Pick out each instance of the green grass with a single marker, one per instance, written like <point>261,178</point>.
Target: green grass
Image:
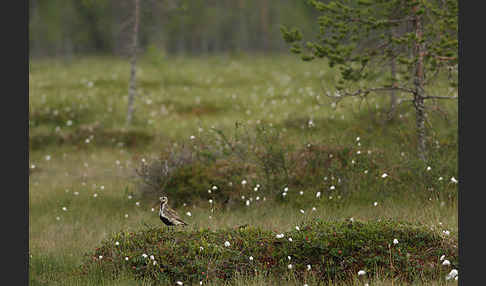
<point>187,97</point>
<point>334,251</point>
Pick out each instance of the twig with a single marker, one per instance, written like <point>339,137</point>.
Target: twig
<point>440,97</point>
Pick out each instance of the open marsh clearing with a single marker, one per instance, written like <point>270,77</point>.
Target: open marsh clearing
<point>83,186</point>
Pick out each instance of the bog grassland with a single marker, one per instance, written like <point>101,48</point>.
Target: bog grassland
<point>249,151</point>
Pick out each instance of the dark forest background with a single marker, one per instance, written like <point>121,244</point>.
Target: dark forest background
<point>196,27</point>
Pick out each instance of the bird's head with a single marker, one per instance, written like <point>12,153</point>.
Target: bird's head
<point>163,199</point>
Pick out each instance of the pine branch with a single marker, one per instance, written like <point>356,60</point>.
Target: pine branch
<point>440,97</point>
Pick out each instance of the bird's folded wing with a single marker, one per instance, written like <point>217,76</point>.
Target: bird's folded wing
<point>172,213</point>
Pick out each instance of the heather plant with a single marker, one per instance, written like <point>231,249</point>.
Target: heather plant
<point>259,162</point>
<point>315,249</point>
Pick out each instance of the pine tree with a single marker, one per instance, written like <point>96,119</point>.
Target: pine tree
<point>359,36</point>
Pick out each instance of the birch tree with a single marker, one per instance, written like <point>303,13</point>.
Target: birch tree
<point>359,36</point>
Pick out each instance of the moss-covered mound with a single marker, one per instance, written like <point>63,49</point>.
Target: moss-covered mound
<point>317,249</point>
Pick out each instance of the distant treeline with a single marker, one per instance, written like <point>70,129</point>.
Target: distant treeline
<point>73,27</point>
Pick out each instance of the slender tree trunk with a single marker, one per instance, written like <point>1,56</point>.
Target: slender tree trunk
<point>264,23</point>
<point>242,35</point>
<point>133,64</point>
<point>419,94</point>
<point>393,93</point>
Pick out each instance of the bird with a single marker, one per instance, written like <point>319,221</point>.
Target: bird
<point>167,215</point>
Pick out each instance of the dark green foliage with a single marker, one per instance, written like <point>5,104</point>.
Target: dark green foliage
<point>361,36</point>
<point>71,27</point>
<point>335,250</point>
<point>86,136</point>
<point>186,172</point>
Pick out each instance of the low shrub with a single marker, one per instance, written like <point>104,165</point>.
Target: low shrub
<point>321,250</point>
<point>263,161</point>
<point>84,136</point>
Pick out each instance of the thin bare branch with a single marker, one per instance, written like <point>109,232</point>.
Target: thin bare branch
<point>440,97</point>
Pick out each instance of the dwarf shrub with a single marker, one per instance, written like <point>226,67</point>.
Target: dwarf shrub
<point>334,251</point>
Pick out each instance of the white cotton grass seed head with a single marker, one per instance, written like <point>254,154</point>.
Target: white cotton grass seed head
<point>144,255</point>
<point>227,243</point>
<point>395,241</point>
<point>301,211</point>
<point>289,266</point>
<point>179,283</point>
<point>117,243</point>
<point>126,258</point>
<point>361,272</point>
<point>309,267</point>
<point>375,204</point>
<point>446,262</point>
<point>64,208</point>
<point>442,257</point>
<point>251,258</point>
<point>384,175</point>
<point>452,274</point>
